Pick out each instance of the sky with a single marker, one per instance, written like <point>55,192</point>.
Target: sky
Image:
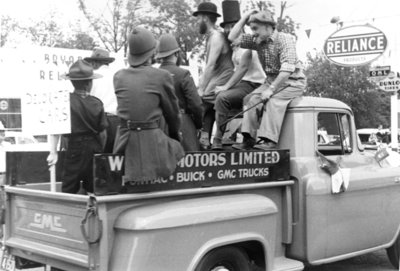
<point>312,15</point>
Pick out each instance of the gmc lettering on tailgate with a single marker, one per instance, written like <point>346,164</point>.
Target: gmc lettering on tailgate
<point>47,221</point>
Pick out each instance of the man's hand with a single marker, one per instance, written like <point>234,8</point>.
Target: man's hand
<point>219,89</point>
<point>249,13</point>
<point>266,94</point>
<point>52,159</point>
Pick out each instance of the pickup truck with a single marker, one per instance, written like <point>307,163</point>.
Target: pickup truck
<point>229,210</point>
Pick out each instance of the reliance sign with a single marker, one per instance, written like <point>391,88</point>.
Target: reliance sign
<point>355,45</point>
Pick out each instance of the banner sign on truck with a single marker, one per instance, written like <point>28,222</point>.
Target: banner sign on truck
<point>355,45</point>
<point>196,169</point>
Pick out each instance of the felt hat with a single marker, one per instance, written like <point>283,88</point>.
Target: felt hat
<point>167,46</point>
<point>230,12</point>
<point>141,46</point>
<point>100,54</point>
<point>264,16</point>
<point>81,70</point>
<point>206,8</point>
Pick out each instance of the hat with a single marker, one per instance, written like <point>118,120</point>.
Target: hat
<point>206,8</point>
<point>264,16</point>
<point>230,12</point>
<point>168,45</point>
<point>81,70</point>
<point>100,54</point>
<point>141,46</point>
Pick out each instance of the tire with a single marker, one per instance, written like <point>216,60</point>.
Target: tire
<point>393,253</point>
<point>225,258</point>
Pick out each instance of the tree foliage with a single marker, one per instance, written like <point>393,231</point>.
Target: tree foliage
<point>115,23</point>
<point>350,85</point>
<point>8,26</point>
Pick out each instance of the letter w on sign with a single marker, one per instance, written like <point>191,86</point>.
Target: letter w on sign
<point>116,162</point>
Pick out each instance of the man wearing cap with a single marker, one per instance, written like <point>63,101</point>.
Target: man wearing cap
<point>285,79</point>
<point>189,100</point>
<point>104,90</point>
<point>219,66</point>
<point>248,76</point>
<point>146,102</point>
<point>88,123</point>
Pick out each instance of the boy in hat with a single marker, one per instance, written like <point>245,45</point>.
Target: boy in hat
<point>219,66</point>
<point>104,90</point>
<point>285,79</point>
<point>189,100</point>
<point>146,101</point>
<point>248,76</point>
<point>88,123</point>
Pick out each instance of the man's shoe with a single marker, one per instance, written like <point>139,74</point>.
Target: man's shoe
<point>247,144</point>
<point>228,141</point>
<point>217,144</point>
<point>265,146</point>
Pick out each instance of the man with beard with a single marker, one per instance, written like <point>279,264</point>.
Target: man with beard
<point>248,76</point>
<point>219,66</point>
<point>285,79</point>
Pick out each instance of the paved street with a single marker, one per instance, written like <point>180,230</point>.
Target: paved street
<point>376,261</point>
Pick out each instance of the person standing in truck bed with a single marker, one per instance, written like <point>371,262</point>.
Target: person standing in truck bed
<point>146,102</point>
<point>88,134</point>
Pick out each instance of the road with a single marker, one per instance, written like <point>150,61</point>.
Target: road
<point>376,261</point>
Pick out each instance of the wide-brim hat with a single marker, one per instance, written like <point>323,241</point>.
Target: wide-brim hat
<point>100,54</point>
<point>230,12</point>
<point>206,8</point>
<point>81,70</point>
<point>141,46</point>
<point>264,16</point>
<point>167,46</point>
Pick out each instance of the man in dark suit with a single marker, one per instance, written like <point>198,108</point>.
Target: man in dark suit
<point>146,102</point>
<point>189,100</point>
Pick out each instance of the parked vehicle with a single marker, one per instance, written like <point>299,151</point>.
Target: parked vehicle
<point>229,210</point>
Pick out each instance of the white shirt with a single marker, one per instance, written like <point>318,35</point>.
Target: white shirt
<point>103,88</point>
<point>255,73</point>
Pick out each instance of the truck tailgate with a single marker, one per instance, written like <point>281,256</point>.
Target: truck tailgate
<point>43,225</point>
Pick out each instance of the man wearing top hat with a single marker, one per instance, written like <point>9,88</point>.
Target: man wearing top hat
<point>146,102</point>
<point>88,123</point>
<point>190,104</point>
<point>219,66</point>
<point>248,76</point>
<point>104,90</point>
<point>285,79</point>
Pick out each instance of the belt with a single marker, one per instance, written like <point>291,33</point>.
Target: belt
<point>140,125</point>
<point>81,137</point>
<point>296,78</point>
<point>110,114</point>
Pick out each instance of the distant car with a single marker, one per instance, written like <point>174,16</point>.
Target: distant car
<point>20,141</point>
<point>369,137</point>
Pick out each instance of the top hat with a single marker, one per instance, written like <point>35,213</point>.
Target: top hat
<point>81,70</point>
<point>167,46</point>
<point>206,8</point>
<point>264,16</point>
<point>100,54</point>
<point>230,12</point>
<point>141,46</point>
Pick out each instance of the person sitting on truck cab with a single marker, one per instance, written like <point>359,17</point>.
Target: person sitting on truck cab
<point>285,79</point>
<point>88,134</point>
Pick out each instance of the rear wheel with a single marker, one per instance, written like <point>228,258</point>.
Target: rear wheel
<point>393,253</point>
<point>225,259</point>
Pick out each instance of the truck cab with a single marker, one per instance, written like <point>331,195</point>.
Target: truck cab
<point>254,210</point>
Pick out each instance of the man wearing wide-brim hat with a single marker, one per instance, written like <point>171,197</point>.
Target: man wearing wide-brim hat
<point>104,90</point>
<point>189,100</point>
<point>285,79</point>
<point>87,137</point>
<point>219,66</point>
<point>146,102</point>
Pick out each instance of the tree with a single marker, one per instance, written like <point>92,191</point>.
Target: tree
<point>7,26</point>
<point>176,17</point>
<point>45,33</point>
<point>80,40</point>
<point>350,85</point>
<point>115,23</point>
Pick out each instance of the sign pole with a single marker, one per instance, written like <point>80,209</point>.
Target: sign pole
<point>53,178</point>
<point>393,119</point>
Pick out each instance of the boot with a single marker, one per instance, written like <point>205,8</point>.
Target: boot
<point>217,144</point>
<point>247,144</point>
